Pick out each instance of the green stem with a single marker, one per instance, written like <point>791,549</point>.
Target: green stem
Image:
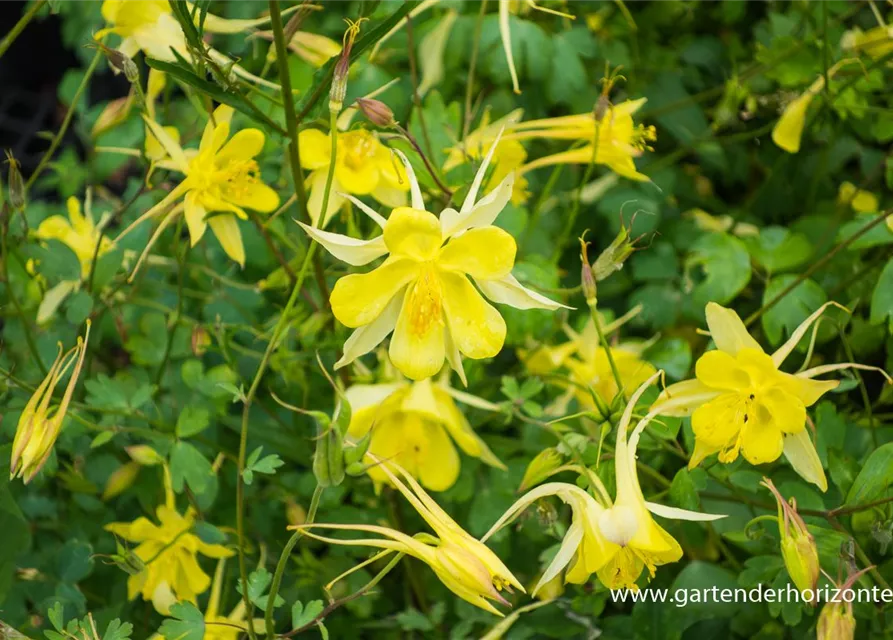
<point>181,259</point>
<point>604,342</point>
<point>283,559</point>
<point>291,120</point>
<point>10,37</point>
<point>57,139</point>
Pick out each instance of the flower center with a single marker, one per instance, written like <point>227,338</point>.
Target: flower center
<point>425,303</point>
<point>233,176</point>
<point>356,149</point>
<point>618,524</point>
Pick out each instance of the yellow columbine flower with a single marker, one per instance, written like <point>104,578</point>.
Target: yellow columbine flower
<point>741,402</point>
<point>363,166</point>
<point>798,548</point>
<point>149,26</point>
<point>222,177</point>
<point>465,565</point>
<point>616,139</point>
<point>422,291</point>
<point>876,42</point>
<point>78,233</point>
<point>169,551</point>
<point>39,425</point>
<point>508,157</point>
<point>415,426</point>
<point>616,539</point>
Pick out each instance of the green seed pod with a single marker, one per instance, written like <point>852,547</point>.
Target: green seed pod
<point>328,459</point>
<point>355,454</point>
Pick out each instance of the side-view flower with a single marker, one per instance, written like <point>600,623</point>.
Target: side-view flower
<point>615,539</point>
<point>464,564</point>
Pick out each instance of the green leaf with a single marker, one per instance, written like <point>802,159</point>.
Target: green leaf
<point>16,532</point>
<point>725,264</point>
<point>780,321</point>
<point>779,249</point>
<point>882,299</point>
<point>117,630</point>
<point>874,478</point>
<point>188,623</point>
<point>190,466</point>
<point>192,420</point>
<point>302,614</point>
<point>258,581</point>
<point>683,492</point>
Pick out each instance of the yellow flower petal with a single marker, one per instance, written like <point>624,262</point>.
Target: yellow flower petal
<point>789,129</point>
<point>801,453</point>
<point>195,218</point>
<point>727,330</point>
<point>719,421</point>
<point>788,411</point>
<point>316,185</point>
<point>475,325</point>
<point>361,179</point>
<point>244,145</point>
<point>418,346</point>
<point>358,299</point>
<point>315,148</point>
<point>487,253</point>
<point>761,442</point>
<point>226,228</point>
<point>252,194</point>
<point>413,233</point>
<point>718,370</point>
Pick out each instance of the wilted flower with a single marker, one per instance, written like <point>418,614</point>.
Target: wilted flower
<point>798,548</point>
<point>39,425</point>
<point>221,177</point>
<point>78,232</point>
<point>338,89</point>
<point>422,291</point>
<point>15,184</point>
<point>169,551</point>
<point>616,539</point>
<point>415,425</point>
<point>465,565</point>
<point>363,166</point>
<point>741,402</point>
<point>613,140</point>
<point>376,111</point>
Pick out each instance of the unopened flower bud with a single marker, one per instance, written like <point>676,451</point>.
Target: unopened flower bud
<point>144,455</point>
<point>798,547</point>
<point>541,467</point>
<point>339,79</point>
<point>121,62</point>
<point>294,513</point>
<point>376,111</point>
<point>15,183</point>
<point>120,480</point>
<point>200,340</point>
<point>836,622</point>
<point>587,278</point>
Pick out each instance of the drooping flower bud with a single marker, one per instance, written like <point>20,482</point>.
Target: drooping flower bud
<point>342,67</point>
<point>15,183</point>
<point>798,547</point>
<point>39,424</point>
<point>587,278</point>
<point>120,480</point>
<point>836,622</point>
<point>541,467</point>
<point>120,62</point>
<point>294,513</point>
<point>144,455</point>
<point>200,340</point>
<point>376,111</point>
<point>127,560</point>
